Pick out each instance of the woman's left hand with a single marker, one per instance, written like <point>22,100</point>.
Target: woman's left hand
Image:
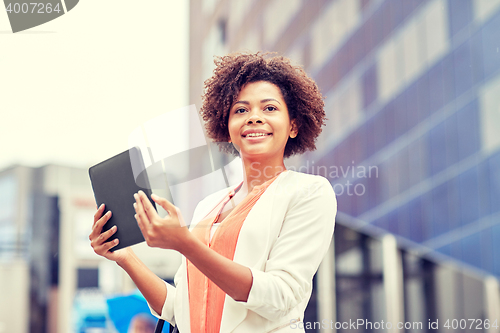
<point>169,232</point>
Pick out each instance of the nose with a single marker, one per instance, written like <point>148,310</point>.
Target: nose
<point>255,118</point>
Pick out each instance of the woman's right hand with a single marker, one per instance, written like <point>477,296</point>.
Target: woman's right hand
<point>98,239</point>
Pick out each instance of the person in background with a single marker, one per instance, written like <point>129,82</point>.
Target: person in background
<point>141,323</point>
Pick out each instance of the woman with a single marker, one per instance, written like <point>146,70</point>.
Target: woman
<point>251,251</point>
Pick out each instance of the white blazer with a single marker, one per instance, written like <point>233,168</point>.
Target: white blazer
<point>283,240</point>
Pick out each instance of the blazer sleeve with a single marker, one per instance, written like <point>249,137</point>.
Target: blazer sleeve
<point>306,233</point>
<point>201,210</point>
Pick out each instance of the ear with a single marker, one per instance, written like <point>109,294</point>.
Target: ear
<point>293,129</point>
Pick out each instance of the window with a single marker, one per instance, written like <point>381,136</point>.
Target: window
<point>491,54</point>
<point>437,149</point>
<point>369,86</point>
<point>468,131</point>
<point>436,87</point>
<point>440,210</point>
<point>415,221</point>
<point>469,196</point>
<point>483,9</point>
<point>451,132</point>
<point>494,179</point>
<point>332,27</point>
<point>435,20</point>
<point>277,16</point>
<point>460,15</point>
<point>463,68</point>
<point>489,101</point>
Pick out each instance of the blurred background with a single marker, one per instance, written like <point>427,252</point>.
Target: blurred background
<point>411,146</point>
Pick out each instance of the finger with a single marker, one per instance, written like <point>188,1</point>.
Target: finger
<point>167,205</point>
<point>140,211</point>
<point>102,249</point>
<point>103,237</point>
<point>97,228</point>
<point>140,224</point>
<point>147,206</point>
<point>98,214</point>
<point>109,245</point>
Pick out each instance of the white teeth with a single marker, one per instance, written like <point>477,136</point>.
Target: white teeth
<point>256,134</point>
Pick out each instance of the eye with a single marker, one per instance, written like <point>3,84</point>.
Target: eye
<point>240,110</point>
<point>270,108</point>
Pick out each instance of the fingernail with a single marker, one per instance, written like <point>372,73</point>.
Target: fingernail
<point>101,206</point>
<point>154,196</point>
<point>135,205</point>
<point>114,227</point>
<point>116,241</point>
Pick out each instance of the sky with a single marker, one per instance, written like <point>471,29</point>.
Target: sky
<point>73,89</point>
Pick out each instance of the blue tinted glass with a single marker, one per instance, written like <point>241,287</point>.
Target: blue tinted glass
<point>469,196</point>
<point>486,250</point>
<point>453,202</point>
<point>392,222</point>
<point>440,209</point>
<point>411,106</point>
<point>427,212</point>
<point>415,221</point>
<point>358,146</point>
<point>448,72</point>
<point>368,33</point>
<point>436,88</point>
<point>400,115</point>
<point>397,13</point>
<point>358,47</point>
<point>403,221</point>
<point>460,14</point>
<point>463,68</point>
<point>404,170</point>
<point>343,200</point>
<point>494,174</point>
<point>423,97</point>
<point>370,86</point>
<point>483,182</point>
<point>451,128</point>
<point>370,137</point>
<point>495,244</point>
<point>380,130</point>
<point>490,41</point>
<point>477,57</point>
<point>381,222</point>
<point>471,250</point>
<point>468,130</point>
<point>456,250</point>
<point>390,125</point>
<point>372,189</point>
<point>437,149</point>
<point>360,196</point>
<point>445,250</point>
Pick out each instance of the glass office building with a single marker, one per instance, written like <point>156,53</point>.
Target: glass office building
<point>411,146</point>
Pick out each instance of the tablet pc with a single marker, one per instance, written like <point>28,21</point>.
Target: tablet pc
<point>114,184</point>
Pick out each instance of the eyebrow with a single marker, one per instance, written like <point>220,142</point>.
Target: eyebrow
<point>262,101</point>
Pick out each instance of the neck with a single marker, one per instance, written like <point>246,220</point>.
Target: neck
<point>256,173</point>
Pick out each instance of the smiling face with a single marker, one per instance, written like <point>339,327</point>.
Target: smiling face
<point>259,124</point>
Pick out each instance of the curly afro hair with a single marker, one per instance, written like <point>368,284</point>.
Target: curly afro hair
<point>300,93</point>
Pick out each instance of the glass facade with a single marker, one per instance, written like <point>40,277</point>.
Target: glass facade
<point>429,76</point>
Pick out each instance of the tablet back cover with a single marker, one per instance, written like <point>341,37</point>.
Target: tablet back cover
<point>114,185</point>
